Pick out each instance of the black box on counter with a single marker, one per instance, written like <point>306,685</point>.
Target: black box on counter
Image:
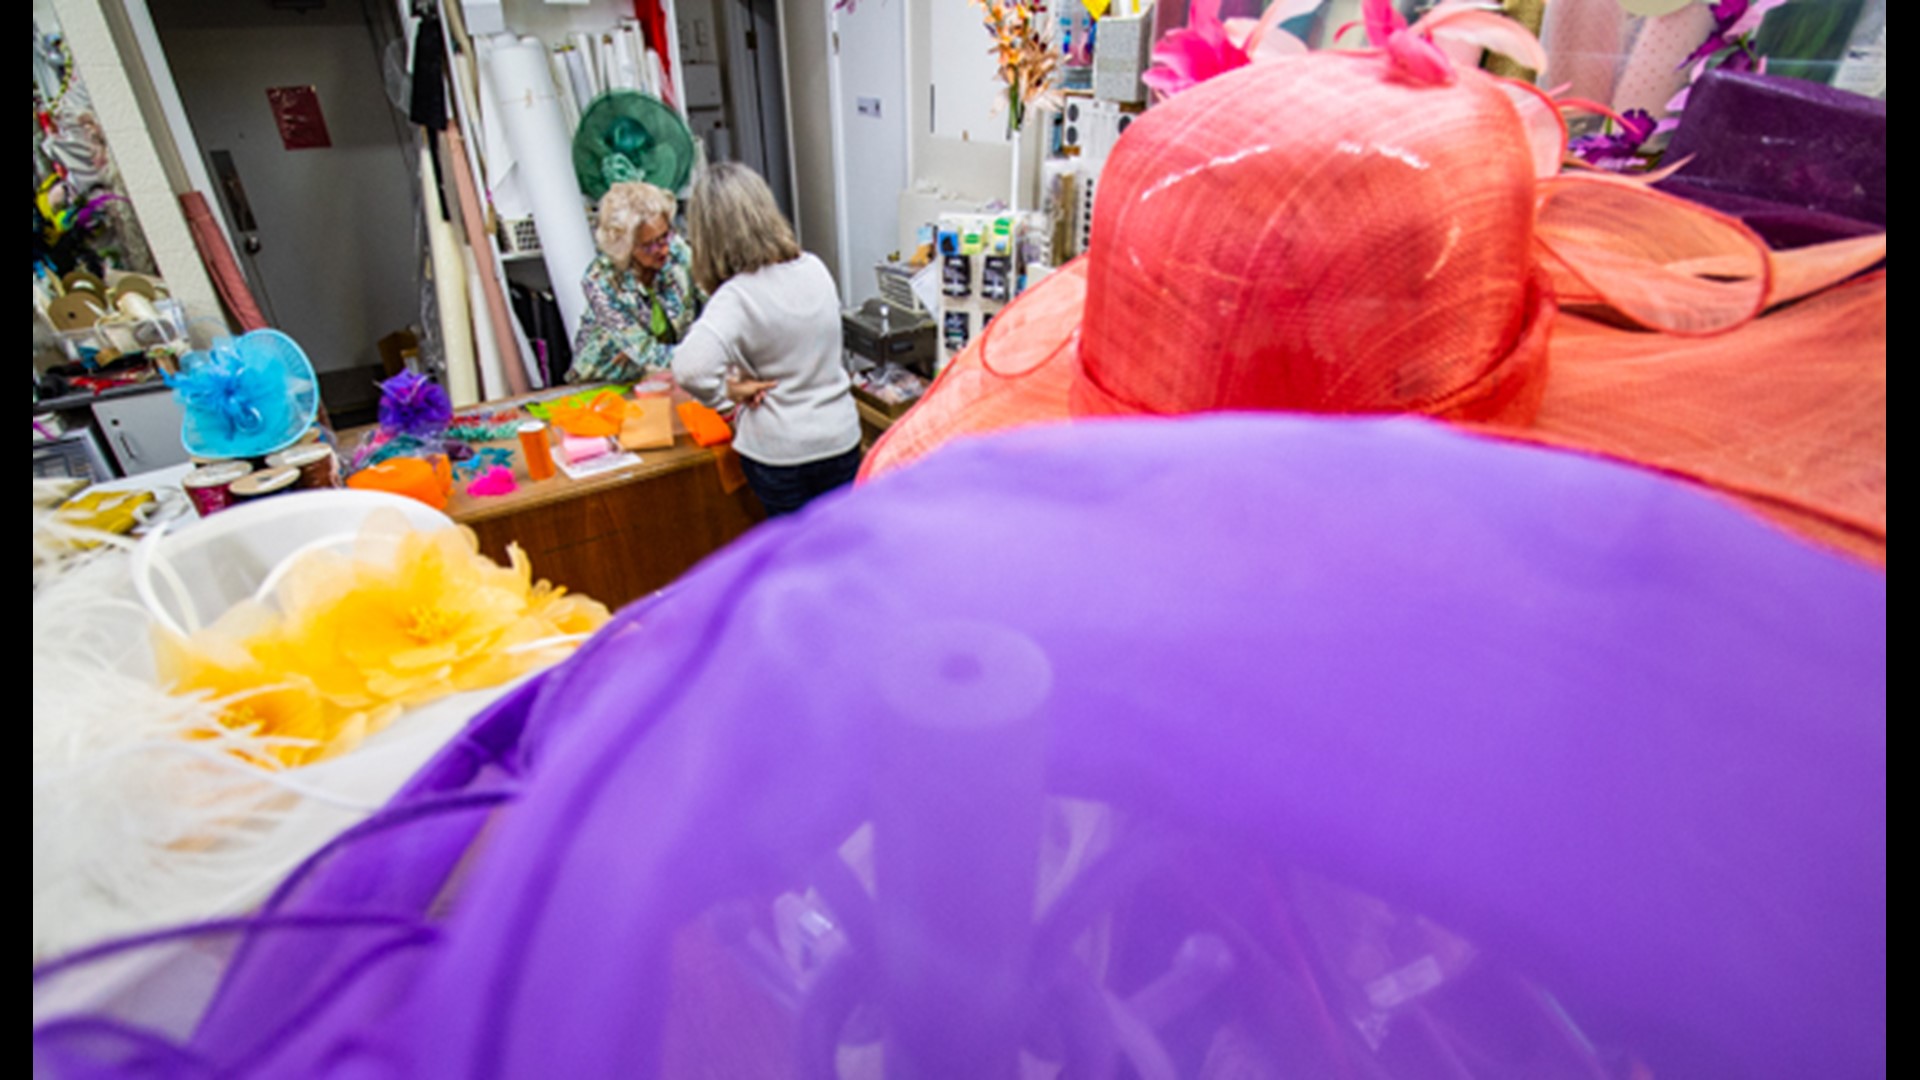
<point>882,332</point>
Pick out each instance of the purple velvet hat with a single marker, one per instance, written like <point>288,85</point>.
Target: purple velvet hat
<point>1799,162</point>
<point>1323,747</point>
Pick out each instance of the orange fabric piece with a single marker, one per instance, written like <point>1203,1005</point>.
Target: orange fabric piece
<point>732,476</point>
<point>416,478</point>
<point>597,419</point>
<point>708,428</point>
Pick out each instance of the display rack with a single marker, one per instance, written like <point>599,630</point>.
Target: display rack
<point>126,335</point>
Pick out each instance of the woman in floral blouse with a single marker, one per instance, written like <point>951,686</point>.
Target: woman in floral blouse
<point>640,292</point>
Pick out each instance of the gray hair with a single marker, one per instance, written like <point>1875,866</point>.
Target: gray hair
<point>735,226</point>
<point>623,209</point>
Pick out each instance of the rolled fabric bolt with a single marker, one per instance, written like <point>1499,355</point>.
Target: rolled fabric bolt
<point>579,449</point>
<point>450,293</point>
<point>520,87</point>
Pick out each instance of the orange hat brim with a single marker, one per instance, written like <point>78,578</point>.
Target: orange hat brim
<point>1786,412</point>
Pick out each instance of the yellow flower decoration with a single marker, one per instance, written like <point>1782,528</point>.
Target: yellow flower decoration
<point>406,617</point>
<point>282,710</point>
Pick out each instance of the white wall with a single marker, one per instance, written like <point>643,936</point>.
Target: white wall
<point>700,44</point>
<point>696,21</point>
<point>335,262</point>
<point>958,124</point>
<point>552,23</point>
<point>958,144</point>
<point>805,44</point>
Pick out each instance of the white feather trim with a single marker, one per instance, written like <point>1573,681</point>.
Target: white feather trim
<point>144,816</point>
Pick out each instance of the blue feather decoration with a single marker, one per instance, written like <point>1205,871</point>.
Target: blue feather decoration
<point>246,396</point>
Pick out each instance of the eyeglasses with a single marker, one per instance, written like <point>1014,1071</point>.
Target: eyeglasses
<point>658,243</point>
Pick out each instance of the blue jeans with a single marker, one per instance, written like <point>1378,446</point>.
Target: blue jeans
<point>784,489</point>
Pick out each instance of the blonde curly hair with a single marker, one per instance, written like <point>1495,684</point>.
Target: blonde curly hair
<point>623,209</point>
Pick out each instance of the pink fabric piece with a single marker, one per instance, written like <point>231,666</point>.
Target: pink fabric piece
<point>581,448</point>
<point>1418,59</point>
<point>495,480</point>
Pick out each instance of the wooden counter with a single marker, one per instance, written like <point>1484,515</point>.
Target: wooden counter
<point>615,537</point>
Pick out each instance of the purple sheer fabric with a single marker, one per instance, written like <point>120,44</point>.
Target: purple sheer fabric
<point>1623,736</point>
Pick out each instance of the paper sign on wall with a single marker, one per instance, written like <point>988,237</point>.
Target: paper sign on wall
<point>296,110</point>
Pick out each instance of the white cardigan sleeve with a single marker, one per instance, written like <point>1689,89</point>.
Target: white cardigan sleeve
<point>700,364</point>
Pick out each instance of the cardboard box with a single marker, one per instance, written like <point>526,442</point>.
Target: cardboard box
<point>394,349</point>
<point>891,409</point>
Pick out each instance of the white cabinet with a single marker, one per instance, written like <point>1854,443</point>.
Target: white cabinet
<point>142,431</point>
<point>965,98</point>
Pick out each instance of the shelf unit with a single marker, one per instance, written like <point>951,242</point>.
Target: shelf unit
<point>551,24</point>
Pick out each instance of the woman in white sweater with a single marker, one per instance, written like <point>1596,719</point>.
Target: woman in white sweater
<point>768,342</point>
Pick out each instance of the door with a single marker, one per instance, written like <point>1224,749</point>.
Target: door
<point>326,233</point>
<point>869,67</point>
<point>752,29</point>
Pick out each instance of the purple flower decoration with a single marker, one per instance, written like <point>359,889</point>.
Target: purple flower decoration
<point>1619,150</point>
<point>1734,25</point>
<point>412,404</point>
<point>1714,43</point>
<point>1732,20</point>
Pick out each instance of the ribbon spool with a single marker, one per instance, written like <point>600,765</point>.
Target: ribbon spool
<point>82,281</point>
<point>137,285</point>
<point>77,310</point>
<point>136,308</point>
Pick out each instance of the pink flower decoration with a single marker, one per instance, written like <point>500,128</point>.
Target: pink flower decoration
<point>1737,17</point>
<point>1194,54</point>
<point>1414,57</point>
<point>1412,53</point>
<point>1209,47</point>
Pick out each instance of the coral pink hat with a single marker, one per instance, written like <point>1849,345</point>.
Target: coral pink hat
<point>1332,233</point>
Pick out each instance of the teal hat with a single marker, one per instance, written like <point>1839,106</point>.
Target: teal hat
<point>626,135</point>
<point>245,396</point>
